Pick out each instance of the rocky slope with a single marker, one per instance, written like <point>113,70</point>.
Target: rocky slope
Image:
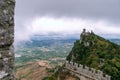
<point>34,71</point>
<point>97,52</point>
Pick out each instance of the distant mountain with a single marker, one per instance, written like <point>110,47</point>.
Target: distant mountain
<point>117,41</point>
<point>97,52</point>
<point>45,40</point>
<point>40,40</point>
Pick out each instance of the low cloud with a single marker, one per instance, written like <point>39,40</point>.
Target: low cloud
<point>65,17</point>
<point>47,25</point>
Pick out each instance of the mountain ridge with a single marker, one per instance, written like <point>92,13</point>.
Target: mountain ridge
<point>97,52</point>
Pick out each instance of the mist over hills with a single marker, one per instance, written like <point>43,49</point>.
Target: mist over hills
<point>38,40</point>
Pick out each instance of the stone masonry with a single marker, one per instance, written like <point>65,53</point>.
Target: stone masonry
<point>6,39</point>
<point>88,73</point>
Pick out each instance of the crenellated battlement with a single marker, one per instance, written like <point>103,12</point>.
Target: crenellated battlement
<point>86,71</point>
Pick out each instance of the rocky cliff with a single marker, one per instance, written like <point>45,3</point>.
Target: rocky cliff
<point>6,39</point>
<point>96,52</point>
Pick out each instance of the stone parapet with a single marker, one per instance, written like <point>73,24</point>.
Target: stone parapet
<point>86,71</point>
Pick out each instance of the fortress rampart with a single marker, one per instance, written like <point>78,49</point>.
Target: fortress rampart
<point>91,73</point>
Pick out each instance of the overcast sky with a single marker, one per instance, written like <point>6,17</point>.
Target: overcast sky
<point>66,16</point>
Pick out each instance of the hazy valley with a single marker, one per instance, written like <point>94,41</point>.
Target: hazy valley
<point>47,53</point>
<point>40,57</point>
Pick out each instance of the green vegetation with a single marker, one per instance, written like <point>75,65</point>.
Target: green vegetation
<point>100,54</point>
<point>53,77</point>
<point>51,50</point>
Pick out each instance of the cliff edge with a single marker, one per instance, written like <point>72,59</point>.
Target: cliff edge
<point>96,52</point>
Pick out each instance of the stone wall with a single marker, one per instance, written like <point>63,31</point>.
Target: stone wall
<point>6,39</point>
<point>86,71</point>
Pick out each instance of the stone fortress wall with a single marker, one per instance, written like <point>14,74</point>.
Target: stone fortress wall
<point>90,73</point>
<point>6,39</point>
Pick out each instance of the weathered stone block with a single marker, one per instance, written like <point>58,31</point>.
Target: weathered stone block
<point>6,39</point>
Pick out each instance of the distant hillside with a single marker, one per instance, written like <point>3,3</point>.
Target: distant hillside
<point>117,41</point>
<point>39,48</point>
<point>34,71</point>
<point>40,41</point>
<point>97,52</point>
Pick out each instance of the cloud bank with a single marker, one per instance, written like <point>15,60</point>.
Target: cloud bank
<point>66,16</point>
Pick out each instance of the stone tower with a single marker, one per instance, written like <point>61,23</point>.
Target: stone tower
<point>6,39</point>
<point>82,34</point>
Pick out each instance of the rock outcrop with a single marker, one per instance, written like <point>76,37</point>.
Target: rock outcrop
<point>6,39</point>
<point>98,53</point>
